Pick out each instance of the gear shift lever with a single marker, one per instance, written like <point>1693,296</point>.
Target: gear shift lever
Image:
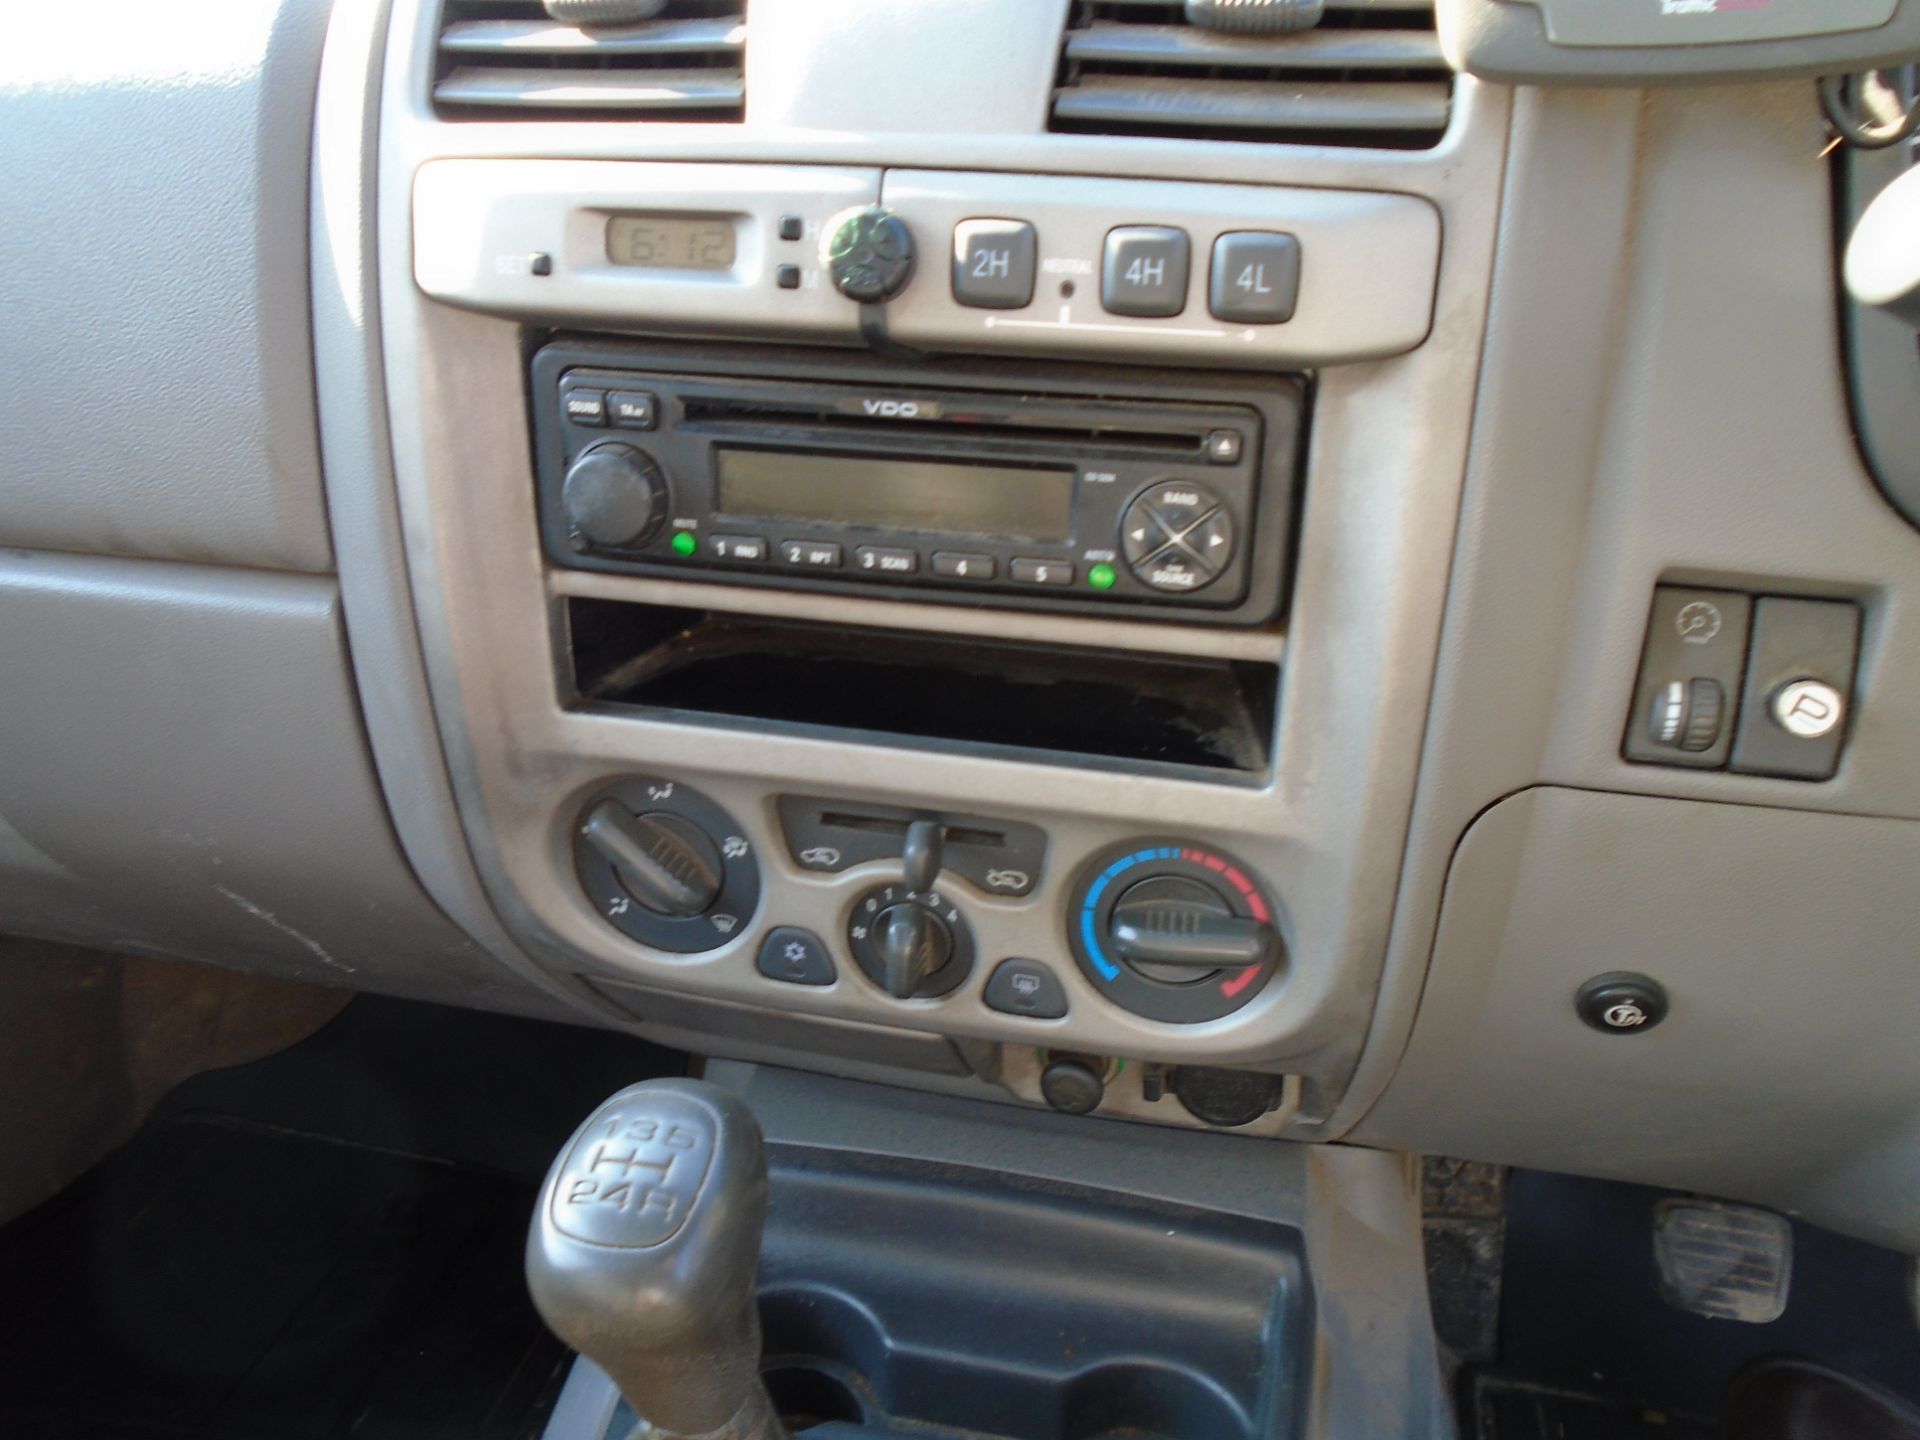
<point>642,1254</point>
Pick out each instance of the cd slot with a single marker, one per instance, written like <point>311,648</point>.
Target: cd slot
<point>827,424</point>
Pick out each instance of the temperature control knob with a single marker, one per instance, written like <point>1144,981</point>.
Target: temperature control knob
<point>868,253</point>
<point>1174,931</point>
<point>615,496</point>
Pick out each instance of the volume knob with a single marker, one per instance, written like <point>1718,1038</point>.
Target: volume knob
<point>614,496</point>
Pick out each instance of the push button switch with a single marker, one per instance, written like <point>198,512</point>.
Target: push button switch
<point>1026,987</point>
<point>1255,278</point>
<point>993,264</point>
<point>1144,271</point>
<point>796,957</point>
<point>1799,686</point>
<point>886,560</point>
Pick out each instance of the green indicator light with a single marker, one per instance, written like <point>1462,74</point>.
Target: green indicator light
<point>684,543</point>
<point>1101,577</point>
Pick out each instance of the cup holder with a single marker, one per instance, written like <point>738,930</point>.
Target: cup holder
<point>1147,1402</point>
<point>805,1396</point>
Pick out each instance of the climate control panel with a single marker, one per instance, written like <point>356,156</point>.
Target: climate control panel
<point>1171,930</point>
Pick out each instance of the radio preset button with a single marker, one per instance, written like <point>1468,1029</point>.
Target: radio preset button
<point>887,560</point>
<point>743,548</point>
<point>1144,271</point>
<point>586,407</point>
<point>811,554</point>
<point>1042,572</point>
<point>993,264</point>
<point>633,409</point>
<point>961,565</point>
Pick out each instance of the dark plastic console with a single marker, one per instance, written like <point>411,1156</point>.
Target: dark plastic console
<point>908,1298</point>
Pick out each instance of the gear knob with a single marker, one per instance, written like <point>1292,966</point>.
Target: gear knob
<point>642,1254</point>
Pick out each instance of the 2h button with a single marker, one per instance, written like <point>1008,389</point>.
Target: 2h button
<point>993,263</point>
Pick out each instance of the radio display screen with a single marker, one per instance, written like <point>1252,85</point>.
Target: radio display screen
<point>671,242</point>
<point>891,492</point>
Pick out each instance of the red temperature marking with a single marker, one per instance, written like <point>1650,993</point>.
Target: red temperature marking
<point>1239,982</point>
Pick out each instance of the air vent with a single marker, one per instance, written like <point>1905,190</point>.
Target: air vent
<point>500,57</point>
<point>1370,73</point>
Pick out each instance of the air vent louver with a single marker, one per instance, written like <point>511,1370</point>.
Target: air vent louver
<point>1370,73</point>
<point>501,57</point>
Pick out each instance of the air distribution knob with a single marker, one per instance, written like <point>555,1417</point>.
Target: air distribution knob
<point>868,253</point>
<point>615,496</point>
<point>665,862</point>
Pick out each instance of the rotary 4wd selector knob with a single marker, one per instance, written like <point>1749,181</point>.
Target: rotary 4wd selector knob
<point>1174,931</point>
<point>615,496</point>
<point>665,865</point>
<point>868,253</point>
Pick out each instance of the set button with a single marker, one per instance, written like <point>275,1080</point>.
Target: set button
<point>1177,537</point>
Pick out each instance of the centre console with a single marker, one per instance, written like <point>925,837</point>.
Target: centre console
<point>950,611</point>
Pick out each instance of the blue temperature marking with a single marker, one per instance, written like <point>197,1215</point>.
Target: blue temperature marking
<point>1091,941</point>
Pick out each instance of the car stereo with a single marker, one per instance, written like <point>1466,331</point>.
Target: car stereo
<point>1025,491</point>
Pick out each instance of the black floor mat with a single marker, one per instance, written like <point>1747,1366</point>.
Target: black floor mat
<point>324,1245</point>
<point>1588,1348</point>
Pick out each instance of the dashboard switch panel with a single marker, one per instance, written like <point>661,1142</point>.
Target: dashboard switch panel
<point>996,857</point>
<point>1799,688</point>
<point>1690,673</point>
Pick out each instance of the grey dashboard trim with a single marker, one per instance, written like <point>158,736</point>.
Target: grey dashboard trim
<point>365,515</point>
<point>1382,495</point>
<point>1507,41</point>
<point>1786,1072</point>
<point>188,778</point>
<point>153,276</point>
<point>1699,436</point>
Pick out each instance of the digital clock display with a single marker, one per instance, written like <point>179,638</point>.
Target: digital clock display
<point>671,242</point>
